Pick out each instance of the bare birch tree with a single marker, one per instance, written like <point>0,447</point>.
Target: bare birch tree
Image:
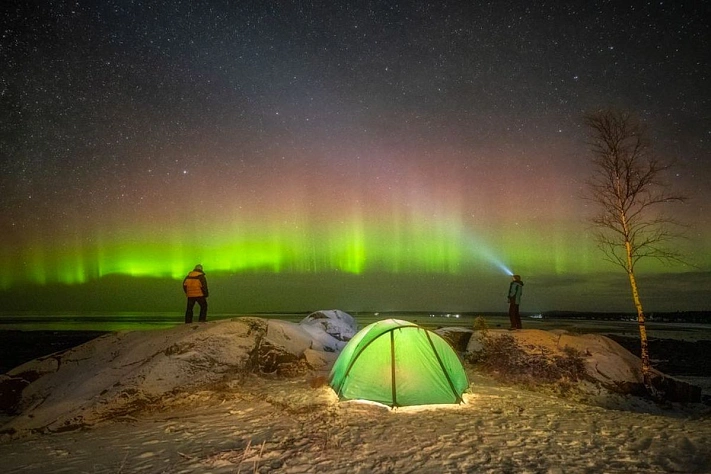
<point>628,188</point>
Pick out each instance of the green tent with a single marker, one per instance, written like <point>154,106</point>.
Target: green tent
<point>399,363</point>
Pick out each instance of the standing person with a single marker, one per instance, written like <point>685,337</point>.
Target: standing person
<point>514,296</point>
<point>195,288</point>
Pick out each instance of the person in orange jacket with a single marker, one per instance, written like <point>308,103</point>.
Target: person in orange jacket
<point>195,288</point>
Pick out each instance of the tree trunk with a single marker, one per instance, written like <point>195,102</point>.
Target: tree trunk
<point>646,365</point>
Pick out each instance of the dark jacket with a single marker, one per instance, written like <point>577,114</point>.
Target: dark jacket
<point>515,290</point>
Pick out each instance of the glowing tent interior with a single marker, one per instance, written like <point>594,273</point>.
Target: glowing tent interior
<point>399,363</point>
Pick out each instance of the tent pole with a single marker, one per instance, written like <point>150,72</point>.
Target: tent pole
<point>392,367</point>
<point>444,370</point>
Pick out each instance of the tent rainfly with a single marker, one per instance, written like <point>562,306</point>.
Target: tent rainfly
<point>398,363</point>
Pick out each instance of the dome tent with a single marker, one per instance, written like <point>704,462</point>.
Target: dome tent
<point>398,363</point>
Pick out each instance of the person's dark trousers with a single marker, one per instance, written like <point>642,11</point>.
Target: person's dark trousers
<point>202,301</point>
<point>514,316</point>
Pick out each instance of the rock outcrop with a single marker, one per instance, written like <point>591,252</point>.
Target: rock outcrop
<point>121,372</point>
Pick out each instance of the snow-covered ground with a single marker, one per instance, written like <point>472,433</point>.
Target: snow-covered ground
<point>288,426</point>
<point>254,423</point>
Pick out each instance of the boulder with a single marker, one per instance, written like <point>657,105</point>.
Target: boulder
<point>673,390</point>
<point>606,361</point>
<point>331,328</point>
<point>458,337</point>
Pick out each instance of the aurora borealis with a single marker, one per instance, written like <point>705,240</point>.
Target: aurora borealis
<point>359,155</point>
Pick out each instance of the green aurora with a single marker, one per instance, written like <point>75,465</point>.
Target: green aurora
<point>356,248</point>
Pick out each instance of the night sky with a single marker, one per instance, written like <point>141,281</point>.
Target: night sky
<point>357,155</point>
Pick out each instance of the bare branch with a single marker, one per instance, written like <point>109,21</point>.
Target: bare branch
<point>628,186</point>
